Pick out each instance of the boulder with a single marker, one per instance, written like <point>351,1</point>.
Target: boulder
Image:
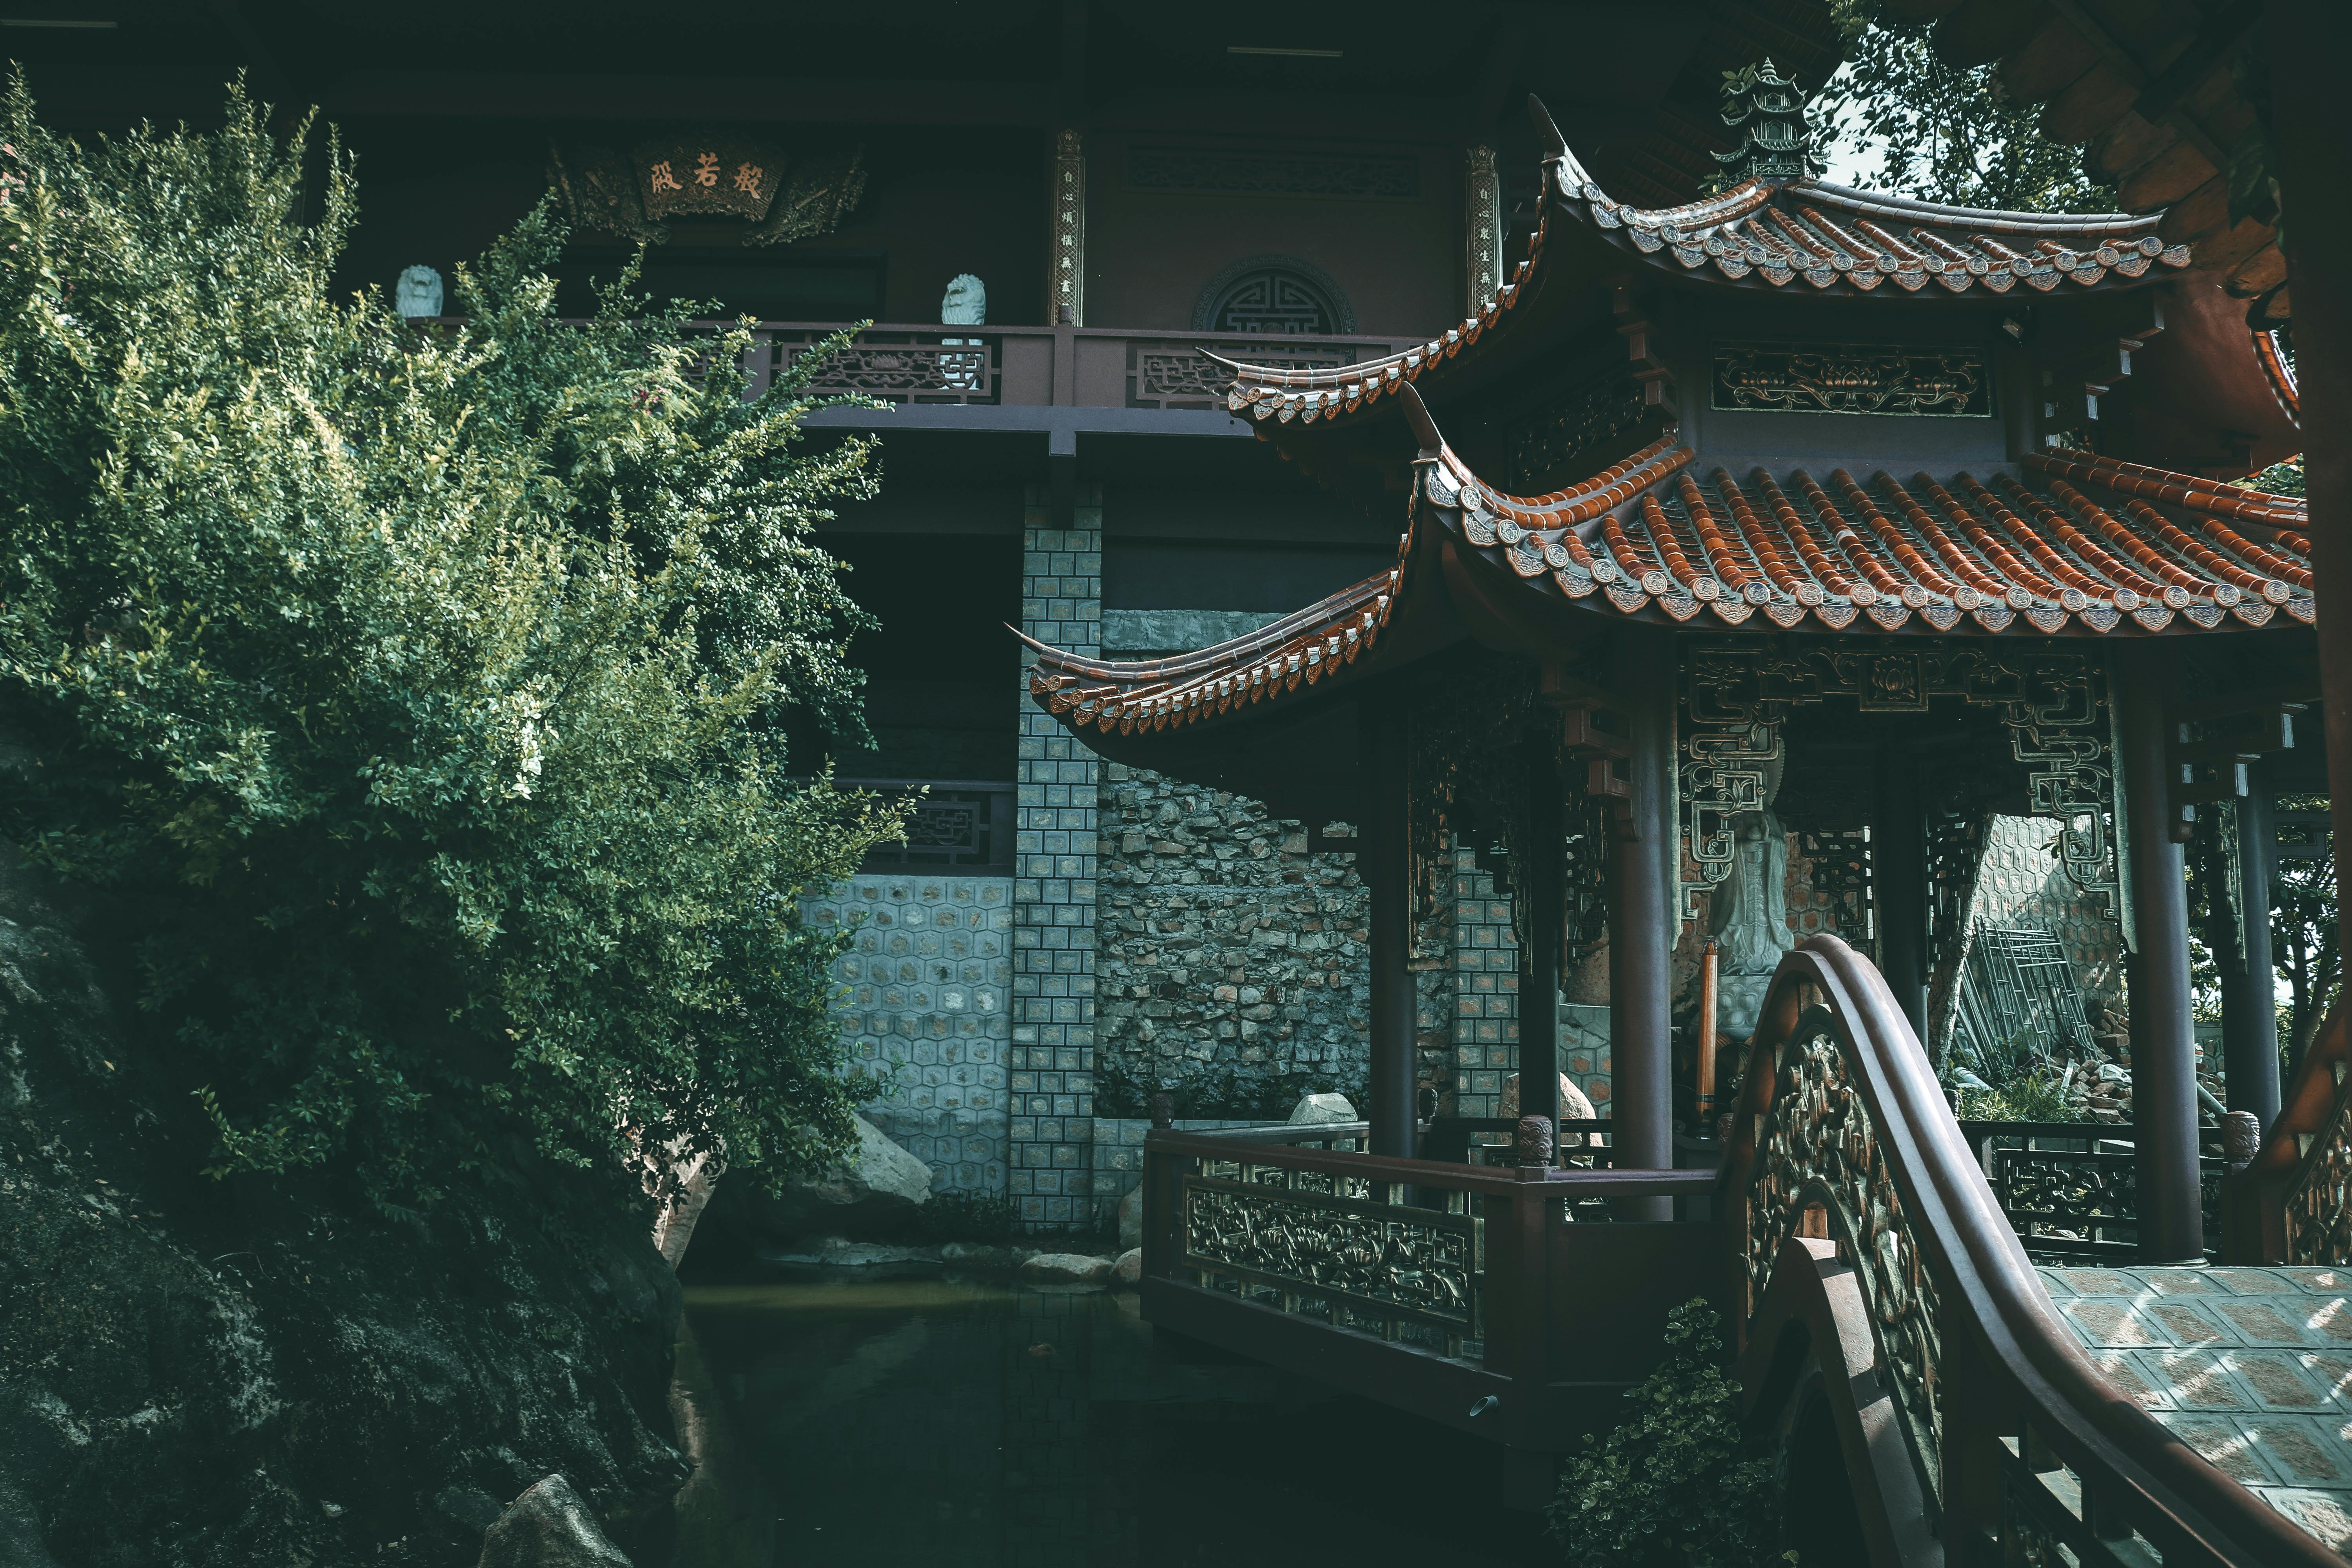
<point>549,1526</point>
<point>878,1180</point>
<point>1129,1269</point>
<point>1067,1269</point>
<point>981,1255</point>
<point>1315,1109</point>
<point>1573,1107</point>
<point>1131,1218</point>
<point>839,1252</point>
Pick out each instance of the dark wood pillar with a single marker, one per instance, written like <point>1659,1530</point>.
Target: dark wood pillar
<point>1899,867</point>
<point>1644,866</point>
<point>2163,1030</point>
<point>2250,1059</point>
<point>2308,40</point>
<point>1384,864</point>
<point>1539,947</point>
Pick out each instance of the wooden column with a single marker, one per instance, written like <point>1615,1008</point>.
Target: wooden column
<point>1898,870</point>
<point>2163,1030</point>
<point>1384,864</point>
<point>1540,936</point>
<point>1644,866</point>
<point>2308,39</point>
<point>2250,1058</point>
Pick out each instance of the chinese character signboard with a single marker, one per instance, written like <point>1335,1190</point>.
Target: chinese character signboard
<point>707,176</point>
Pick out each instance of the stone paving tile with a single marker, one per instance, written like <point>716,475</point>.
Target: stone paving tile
<point>2304,1452</point>
<point>2262,1323</point>
<point>2149,1392</point>
<point>2190,1323</point>
<point>2196,1380</point>
<point>2276,1379</point>
<point>2224,1446</point>
<point>2242,1364</point>
<point>2326,1514</point>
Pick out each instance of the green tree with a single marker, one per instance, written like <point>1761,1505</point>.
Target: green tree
<point>416,696</point>
<point>2303,939</point>
<point>1943,132</point>
<point>1668,1487</point>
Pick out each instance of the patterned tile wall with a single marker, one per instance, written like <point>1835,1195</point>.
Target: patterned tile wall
<point>925,999</point>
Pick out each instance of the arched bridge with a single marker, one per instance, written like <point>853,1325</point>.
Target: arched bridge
<point>1893,1336</point>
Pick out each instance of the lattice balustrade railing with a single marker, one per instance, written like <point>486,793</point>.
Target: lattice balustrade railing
<point>1344,1250</point>
<point>2318,1199</point>
<point>897,367</point>
<point>1820,1172</point>
<point>2021,1450</point>
<point>1180,376</point>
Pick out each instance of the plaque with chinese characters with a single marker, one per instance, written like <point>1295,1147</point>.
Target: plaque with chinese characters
<point>714,176</point>
<point>1852,378</point>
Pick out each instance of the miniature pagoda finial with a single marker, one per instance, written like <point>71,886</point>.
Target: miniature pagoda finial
<point>1769,113</point>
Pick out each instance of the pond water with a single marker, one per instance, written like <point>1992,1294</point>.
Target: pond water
<point>941,1421</point>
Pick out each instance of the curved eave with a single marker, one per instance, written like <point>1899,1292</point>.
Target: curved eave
<point>2279,373</point>
<point>1801,237</point>
<point>2073,545</point>
<point>1807,238</point>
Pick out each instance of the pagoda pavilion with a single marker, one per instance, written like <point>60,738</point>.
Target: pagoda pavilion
<point>1794,505</point>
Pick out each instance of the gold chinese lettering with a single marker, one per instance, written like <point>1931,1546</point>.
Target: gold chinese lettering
<point>705,169</point>
<point>748,177</point>
<point>663,179</point>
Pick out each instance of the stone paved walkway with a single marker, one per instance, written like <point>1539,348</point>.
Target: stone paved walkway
<point>2252,1367</point>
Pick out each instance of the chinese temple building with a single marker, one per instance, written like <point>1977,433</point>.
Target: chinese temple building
<point>1792,523</point>
<point>1792,485</point>
<point>1645,668</point>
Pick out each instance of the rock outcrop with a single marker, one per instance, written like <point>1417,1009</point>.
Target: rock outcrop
<point>548,1527</point>
<point>877,1184</point>
<point>1316,1110</point>
<point>256,1374</point>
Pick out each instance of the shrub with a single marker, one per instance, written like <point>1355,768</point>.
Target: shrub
<point>417,695</point>
<point>1669,1487</point>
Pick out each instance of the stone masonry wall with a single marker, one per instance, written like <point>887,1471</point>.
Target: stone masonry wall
<point>1222,943</point>
<point>925,999</point>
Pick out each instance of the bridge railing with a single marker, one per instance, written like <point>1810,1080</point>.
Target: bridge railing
<point>1472,1295</point>
<point>2071,1189</point>
<point>2292,1202</point>
<point>1844,1156</point>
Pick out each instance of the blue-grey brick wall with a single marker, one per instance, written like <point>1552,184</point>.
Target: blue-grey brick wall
<point>1050,1072</point>
<point>924,1002</point>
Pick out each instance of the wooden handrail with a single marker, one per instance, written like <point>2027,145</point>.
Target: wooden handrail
<point>2008,1366</point>
<point>1485,1180</point>
<point>2254,1212</point>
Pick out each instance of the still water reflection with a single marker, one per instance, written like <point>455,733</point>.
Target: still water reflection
<point>940,1421</point>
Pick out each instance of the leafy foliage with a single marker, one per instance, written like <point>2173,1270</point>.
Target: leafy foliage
<point>2035,1096</point>
<point>1669,1486</point>
<point>1943,132</point>
<point>2283,477</point>
<point>420,694</point>
<point>2304,940</point>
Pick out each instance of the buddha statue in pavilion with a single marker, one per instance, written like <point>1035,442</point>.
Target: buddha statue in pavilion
<point>1749,914</point>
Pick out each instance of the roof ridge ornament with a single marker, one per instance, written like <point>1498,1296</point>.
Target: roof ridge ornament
<point>1769,111</point>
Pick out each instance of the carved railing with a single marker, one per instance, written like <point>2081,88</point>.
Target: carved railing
<point>1477,1297</point>
<point>921,364</point>
<point>2071,1189</point>
<point>2292,1202</point>
<point>943,365</point>
<point>960,825</point>
<point>1174,372</point>
<point>1844,1144</point>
